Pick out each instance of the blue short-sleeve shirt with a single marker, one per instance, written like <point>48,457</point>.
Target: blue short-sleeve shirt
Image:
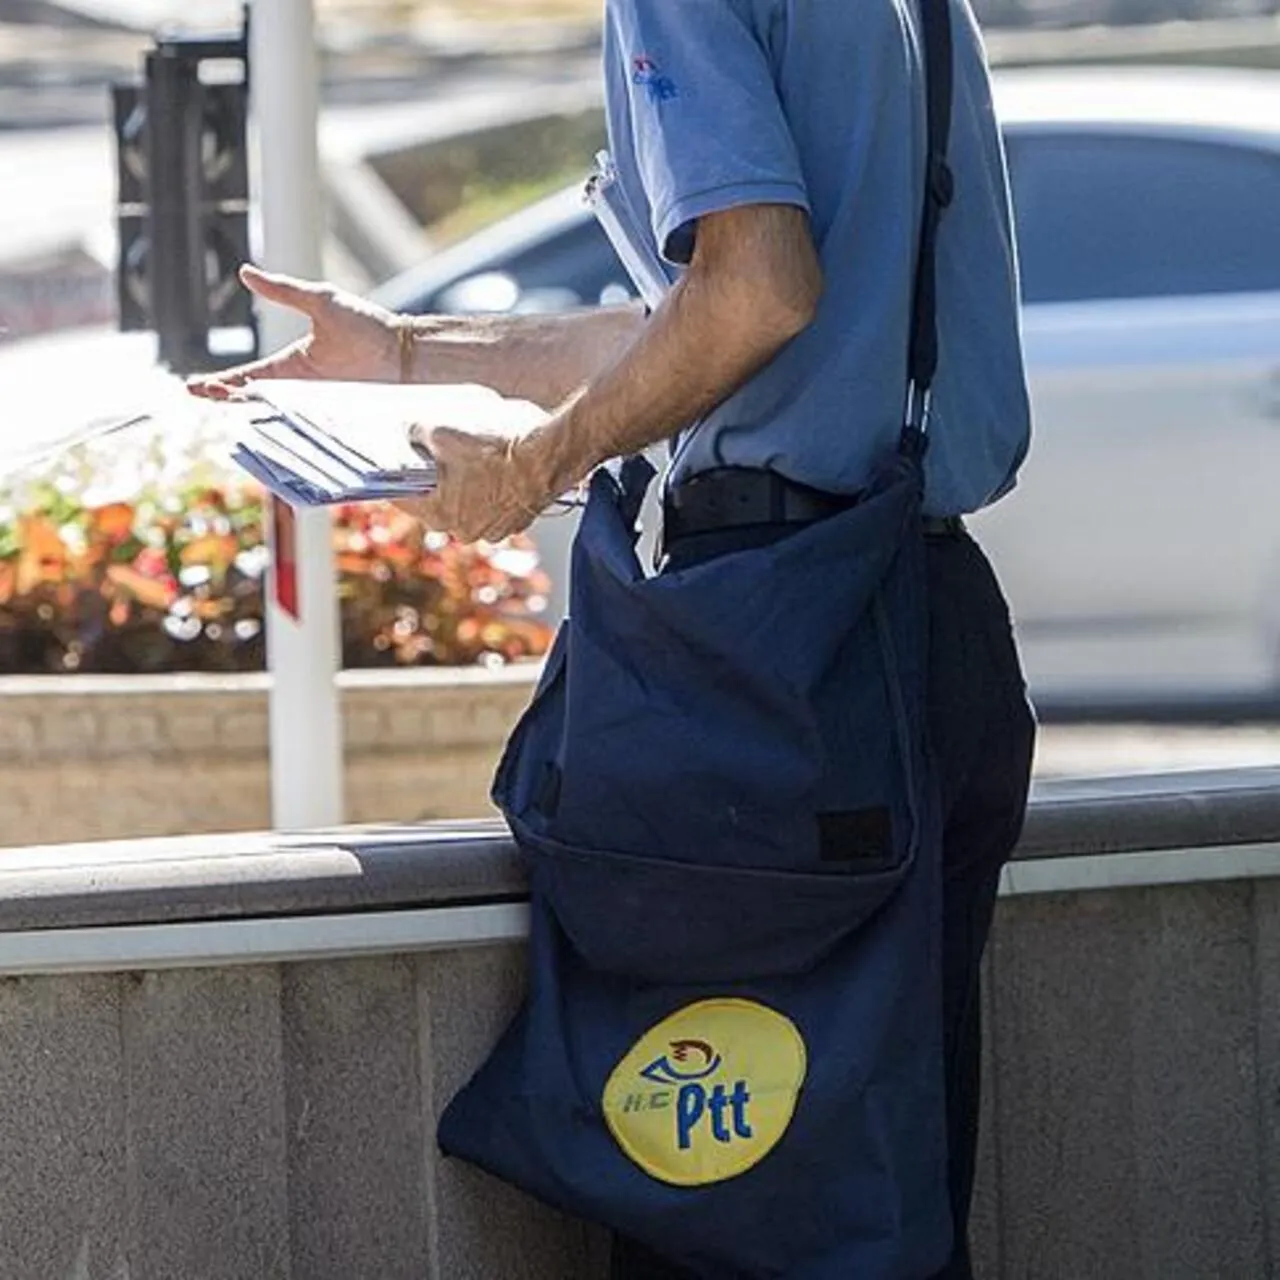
<point>715,104</point>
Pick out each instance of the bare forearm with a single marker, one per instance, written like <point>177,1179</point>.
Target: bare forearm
<point>542,358</point>
<point>716,329</point>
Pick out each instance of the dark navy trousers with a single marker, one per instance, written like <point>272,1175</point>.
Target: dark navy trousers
<point>982,732</point>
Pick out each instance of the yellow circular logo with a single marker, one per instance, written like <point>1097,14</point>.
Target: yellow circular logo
<point>707,1093</point>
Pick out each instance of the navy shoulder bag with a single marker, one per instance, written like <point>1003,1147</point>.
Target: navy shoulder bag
<point>731,1047</point>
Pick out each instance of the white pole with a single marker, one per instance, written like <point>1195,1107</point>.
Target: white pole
<point>302,613</point>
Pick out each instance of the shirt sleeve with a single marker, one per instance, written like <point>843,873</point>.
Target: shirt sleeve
<point>709,128</point>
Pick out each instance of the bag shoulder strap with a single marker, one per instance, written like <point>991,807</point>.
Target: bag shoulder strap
<point>922,362</point>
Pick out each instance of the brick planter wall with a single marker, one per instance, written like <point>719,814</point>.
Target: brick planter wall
<point>89,758</point>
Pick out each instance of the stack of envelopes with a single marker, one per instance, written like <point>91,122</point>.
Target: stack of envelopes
<point>320,443</point>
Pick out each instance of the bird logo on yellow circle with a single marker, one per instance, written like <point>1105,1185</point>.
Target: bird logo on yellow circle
<point>707,1093</point>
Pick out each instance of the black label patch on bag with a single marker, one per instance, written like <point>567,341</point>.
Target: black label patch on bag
<point>856,835</point>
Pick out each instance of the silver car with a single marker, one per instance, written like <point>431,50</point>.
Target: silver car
<point>1141,550</point>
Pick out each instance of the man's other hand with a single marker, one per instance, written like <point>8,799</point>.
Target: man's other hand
<point>486,484</point>
<point>350,339</point>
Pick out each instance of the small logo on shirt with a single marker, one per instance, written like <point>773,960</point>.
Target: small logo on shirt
<point>646,73</point>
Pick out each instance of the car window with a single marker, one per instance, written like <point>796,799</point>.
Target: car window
<point>1103,216</point>
<point>574,266</point>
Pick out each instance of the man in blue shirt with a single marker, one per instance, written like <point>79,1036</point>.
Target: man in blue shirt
<point>777,148</point>
<point>718,104</point>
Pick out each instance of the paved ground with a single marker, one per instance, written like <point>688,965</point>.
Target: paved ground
<point>1082,749</point>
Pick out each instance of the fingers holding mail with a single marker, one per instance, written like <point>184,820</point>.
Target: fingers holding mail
<point>482,493</point>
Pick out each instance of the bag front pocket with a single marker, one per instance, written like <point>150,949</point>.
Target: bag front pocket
<point>663,921</point>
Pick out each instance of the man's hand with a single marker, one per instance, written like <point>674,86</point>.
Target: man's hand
<point>485,487</point>
<point>350,338</point>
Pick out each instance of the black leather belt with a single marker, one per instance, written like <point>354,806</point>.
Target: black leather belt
<point>731,497</point>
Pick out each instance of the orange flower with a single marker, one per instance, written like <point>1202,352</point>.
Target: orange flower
<point>216,550</point>
<point>43,557</point>
<point>114,522</point>
<point>154,592</point>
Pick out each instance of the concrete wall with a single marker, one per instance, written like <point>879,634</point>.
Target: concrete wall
<point>267,1111</point>
<point>96,758</point>
<point>273,1122</point>
<point>259,1123</point>
<point>1132,1124</point>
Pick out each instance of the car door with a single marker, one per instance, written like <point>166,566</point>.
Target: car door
<point>1140,549</point>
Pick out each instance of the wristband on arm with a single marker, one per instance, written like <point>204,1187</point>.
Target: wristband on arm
<point>406,337</point>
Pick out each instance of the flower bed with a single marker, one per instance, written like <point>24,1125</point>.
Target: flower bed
<point>145,554</point>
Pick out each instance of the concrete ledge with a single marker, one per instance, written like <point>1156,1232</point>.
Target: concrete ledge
<point>1141,870</point>
<point>233,877</point>
<point>1081,816</point>
<point>1097,833</point>
<point>219,944</point>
